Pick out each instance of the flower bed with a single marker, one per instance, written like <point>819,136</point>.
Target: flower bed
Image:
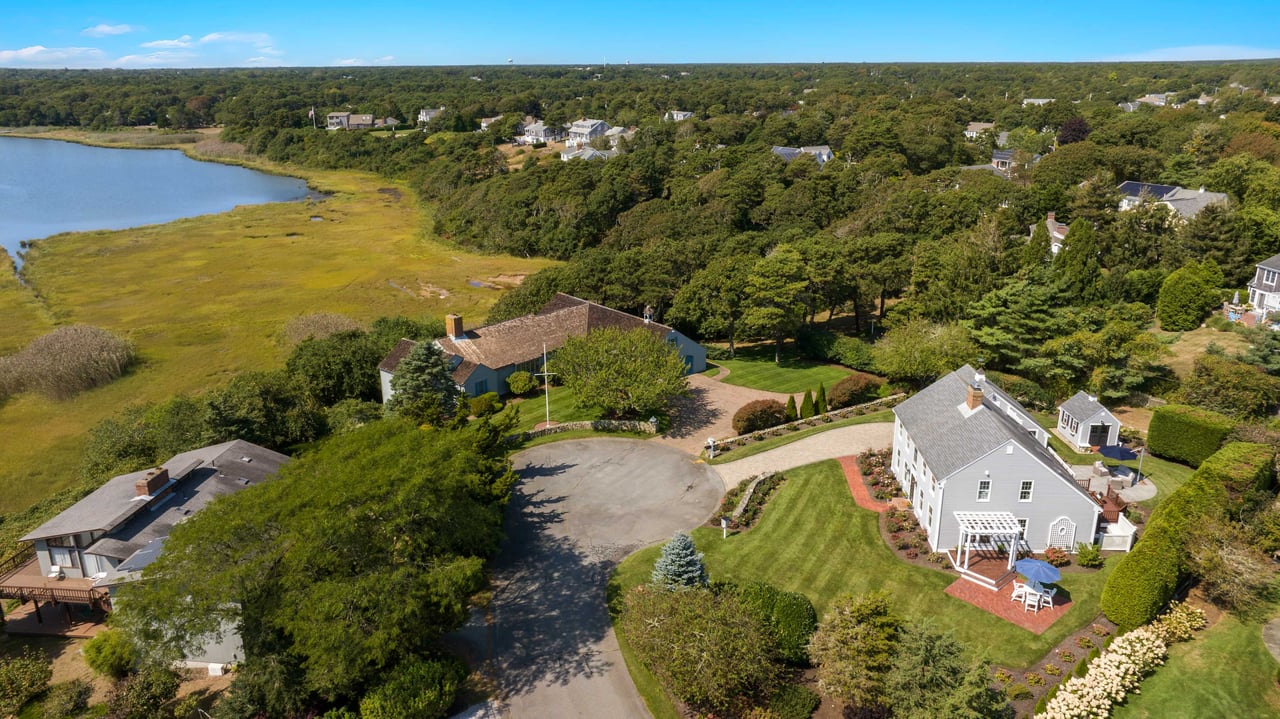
<point>760,496</point>
<point>881,484</point>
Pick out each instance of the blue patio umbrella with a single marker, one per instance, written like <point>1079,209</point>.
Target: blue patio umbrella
<point>1037,570</point>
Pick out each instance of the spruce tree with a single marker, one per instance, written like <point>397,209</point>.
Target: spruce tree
<point>806,406</point>
<point>820,400</point>
<point>791,409</point>
<point>424,389</point>
<point>680,566</point>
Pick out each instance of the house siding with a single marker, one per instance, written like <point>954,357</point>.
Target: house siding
<point>1076,430</point>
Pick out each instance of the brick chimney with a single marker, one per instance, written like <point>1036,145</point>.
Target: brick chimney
<point>155,479</point>
<point>973,394</point>
<point>1053,217</point>
<point>453,326</point>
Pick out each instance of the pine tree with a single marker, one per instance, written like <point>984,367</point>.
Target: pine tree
<point>791,409</point>
<point>680,565</point>
<point>1037,251</point>
<point>820,400</point>
<point>424,389</point>
<point>806,406</point>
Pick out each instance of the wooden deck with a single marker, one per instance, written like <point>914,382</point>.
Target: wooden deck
<point>27,582</point>
<point>988,569</point>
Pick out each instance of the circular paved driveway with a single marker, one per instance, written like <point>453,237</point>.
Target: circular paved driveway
<point>580,507</point>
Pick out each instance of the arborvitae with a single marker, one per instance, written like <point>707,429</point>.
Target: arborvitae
<point>820,400</point>
<point>806,406</point>
<point>791,409</point>
<point>680,565</point>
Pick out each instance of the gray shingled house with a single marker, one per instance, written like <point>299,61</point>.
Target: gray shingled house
<point>980,475</point>
<point>484,357</point>
<point>1085,423</point>
<point>1184,203</point>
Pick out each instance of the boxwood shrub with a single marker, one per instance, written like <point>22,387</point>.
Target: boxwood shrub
<point>793,701</point>
<point>790,617</point>
<point>1187,434</point>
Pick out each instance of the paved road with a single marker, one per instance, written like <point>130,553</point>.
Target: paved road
<point>580,508</point>
<point>831,444</point>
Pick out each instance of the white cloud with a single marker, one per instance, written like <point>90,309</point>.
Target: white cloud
<point>153,59</point>
<point>385,60</point>
<point>259,39</point>
<point>268,50</point>
<point>184,41</point>
<point>41,56</point>
<point>361,62</point>
<point>1198,52</point>
<point>104,30</point>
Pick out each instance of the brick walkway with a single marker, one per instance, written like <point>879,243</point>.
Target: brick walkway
<point>858,488</point>
<point>1000,604</point>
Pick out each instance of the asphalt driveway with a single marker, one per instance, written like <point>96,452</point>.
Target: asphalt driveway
<point>580,508</point>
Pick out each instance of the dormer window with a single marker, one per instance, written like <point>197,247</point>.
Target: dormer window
<point>1269,277</point>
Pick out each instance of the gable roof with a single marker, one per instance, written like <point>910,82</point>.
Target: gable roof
<point>1136,189</point>
<point>399,352</point>
<point>950,439</point>
<point>587,125</point>
<point>979,126</point>
<point>1189,203</point>
<point>521,339</point>
<point>1271,263</point>
<point>131,521</point>
<point>1081,406</point>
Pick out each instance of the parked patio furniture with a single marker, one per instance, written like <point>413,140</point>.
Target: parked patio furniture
<point>1046,598</point>
<point>1031,602</point>
<point>1019,592</point>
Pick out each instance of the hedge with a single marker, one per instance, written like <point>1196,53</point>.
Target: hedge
<point>1145,579</point>
<point>857,388</point>
<point>1187,434</point>
<point>789,616</point>
<point>758,415</point>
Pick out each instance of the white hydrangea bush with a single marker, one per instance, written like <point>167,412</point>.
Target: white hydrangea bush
<point>1117,672</point>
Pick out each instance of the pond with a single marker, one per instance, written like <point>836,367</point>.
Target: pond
<point>48,187</point>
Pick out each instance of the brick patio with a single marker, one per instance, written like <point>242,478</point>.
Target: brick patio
<point>858,488</point>
<point>1000,604</point>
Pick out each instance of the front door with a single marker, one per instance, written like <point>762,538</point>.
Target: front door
<point>1098,434</point>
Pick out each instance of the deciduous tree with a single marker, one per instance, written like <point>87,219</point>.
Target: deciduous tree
<point>854,648</point>
<point>621,373</point>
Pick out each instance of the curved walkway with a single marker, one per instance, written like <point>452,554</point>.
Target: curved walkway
<point>831,444</point>
<point>708,411</point>
<point>581,507</point>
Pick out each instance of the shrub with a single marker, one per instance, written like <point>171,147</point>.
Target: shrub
<point>1053,670</point>
<point>1187,295</point>
<point>318,325</point>
<point>820,400</point>
<point>143,695</point>
<point>1179,623</point>
<point>1187,434</point>
<point>816,343</point>
<point>1089,556</point>
<point>854,354</point>
<point>1003,676</point>
<point>1034,679</point>
<point>806,405</point>
<point>1057,557</point>
<point>1016,692</point>
<point>854,389</point>
<point>520,383</point>
<point>790,413</point>
<point>65,362</point>
<point>757,415</point>
<point>485,405</point>
<point>1085,643</point>
<point>418,689</point>
<point>21,679</point>
<point>790,617</point>
<point>110,654</point>
<point>67,699</point>
<point>793,701</point>
<point>1066,655</point>
<point>681,565</point>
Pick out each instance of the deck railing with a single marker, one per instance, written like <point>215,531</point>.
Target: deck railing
<point>14,562</point>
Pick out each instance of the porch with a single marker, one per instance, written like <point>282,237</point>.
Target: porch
<point>995,537</point>
<point>57,606</point>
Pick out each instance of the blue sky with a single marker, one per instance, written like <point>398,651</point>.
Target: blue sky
<point>221,33</point>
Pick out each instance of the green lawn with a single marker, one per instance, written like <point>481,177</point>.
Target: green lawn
<point>884,415</point>
<point>754,367</point>
<point>813,539</point>
<point>1224,672</point>
<point>533,410</point>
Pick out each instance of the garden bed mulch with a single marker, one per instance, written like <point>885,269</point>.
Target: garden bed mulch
<point>858,487</point>
<point>1053,668</point>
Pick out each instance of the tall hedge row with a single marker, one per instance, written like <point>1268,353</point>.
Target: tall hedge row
<point>1187,434</point>
<point>1144,580</point>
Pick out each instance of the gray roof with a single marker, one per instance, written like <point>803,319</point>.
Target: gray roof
<point>1271,263</point>
<point>1189,203</point>
<point>1081,406</point>
<point>950,439</point>
<point>131,521</point>
<point>1002,155</point>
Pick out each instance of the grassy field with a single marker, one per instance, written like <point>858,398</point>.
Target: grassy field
<point>754,367</point>
<point>24,316</point>
<point>207,297</point>
<point>1190,345</point>
<point>1224,672</point>
<point>885,415</point>
<point>813,539</point>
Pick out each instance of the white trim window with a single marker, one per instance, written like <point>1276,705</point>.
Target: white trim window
<point>984,490</point>
<point>1024,492</point>
<point>1269,276</point>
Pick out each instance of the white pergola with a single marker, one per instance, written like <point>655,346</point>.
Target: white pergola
<point>997,525</point>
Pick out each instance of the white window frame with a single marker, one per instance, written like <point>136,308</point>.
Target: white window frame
<point>1270,276</point>
<point>1022,522</point>
<point>981,489</point>
<point>1027,487</point>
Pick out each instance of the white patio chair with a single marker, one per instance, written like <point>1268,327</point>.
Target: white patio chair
<point>1032,602</point>
<point>1019,592</point>
<point>1046,599</point>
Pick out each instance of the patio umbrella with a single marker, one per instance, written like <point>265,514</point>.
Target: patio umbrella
<point>1037,570</point>
<point>1117,452</point>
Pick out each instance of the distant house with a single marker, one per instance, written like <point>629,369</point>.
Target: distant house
<point>348,121</point>
<point>821,153</point>
<point>618,134</point>
<point>360,122</point>
<point>676,116</point>
<point>483,358</point>
<point>1057,232</point>
<point>540,132</point>
<point>1185,203</point>
<point>428,114</point>
<point>975,129</point>
<point>978,471</point>
<point>1264,293</point>
<point>1037,101</point>
<point>106,539</point>
<point>485,122</point>
<point>1085,423</point>
<point>584,131</point>
<point>1002,160</point>
<point>586,153</point>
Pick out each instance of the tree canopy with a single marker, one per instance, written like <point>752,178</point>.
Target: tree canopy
<point>629,374</point>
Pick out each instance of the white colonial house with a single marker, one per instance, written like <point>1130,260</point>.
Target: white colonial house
<point>1085,423</point>
<point>978,471</point>
<point>583,131</point>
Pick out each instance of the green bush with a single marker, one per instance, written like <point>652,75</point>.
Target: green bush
<point>110,654</point>
<point>816,343</point>
<point>1187,434</point>
<point>790,617</point>
<point>757,415</point>
<point>1241,468</point>
<point>1143,582</point>
<point>1089,556</point>
<point>854,354</point>
<point>68,699</point>
<point>144,695</point>
<point>21,679</point>
<point>793,701</point>
<point>521,383</point>
<point>485,405</point>
<point>857,388</point>
<point>1016,692</point>
<point>418,689</point>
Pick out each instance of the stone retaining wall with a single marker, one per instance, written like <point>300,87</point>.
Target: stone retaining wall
<point>597,425</point>
<point>728,444</point>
